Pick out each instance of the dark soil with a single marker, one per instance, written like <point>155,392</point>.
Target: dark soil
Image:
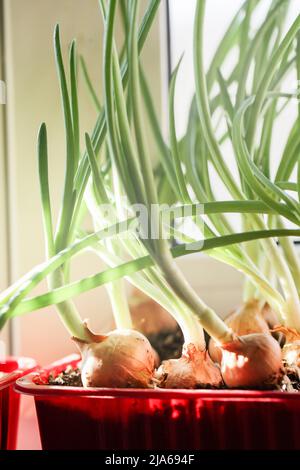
<point>167,344</point>
<point>70,378</point>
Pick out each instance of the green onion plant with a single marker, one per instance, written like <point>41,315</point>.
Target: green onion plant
<point>116,177</point>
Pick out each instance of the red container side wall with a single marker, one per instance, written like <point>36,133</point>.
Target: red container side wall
<point>125,423</point>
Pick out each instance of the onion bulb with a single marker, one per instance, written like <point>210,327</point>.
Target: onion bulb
<point>269,315</point>
<point>120,359</point>
<point>291,355</point>
<point>249,318</point>
<point>291,349</point>
<point>251,361</point>
<point>194,369</point>
<point>148,316</point>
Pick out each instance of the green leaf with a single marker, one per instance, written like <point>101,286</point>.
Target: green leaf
<point>204,105</point>
<point>229,40</point>
<point>227,104</point>
<point>74,104</point>
<point>255,178</point>
<point>253,46</point>
<point>181,182</point>
<point>89,85</point>
<point>266,81</point>
<point>99,131</point>
<point>290,155</point>
<point>99,188</point>
<point>126,269</point>
<point>34,277</point>
<point>164,151</point>
<point>68,196</point>
<point>44,189</point>
<point>287,185</point>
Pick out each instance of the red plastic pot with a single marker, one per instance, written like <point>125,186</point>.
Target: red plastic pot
<point>13,369</point>
<point>78,418</point>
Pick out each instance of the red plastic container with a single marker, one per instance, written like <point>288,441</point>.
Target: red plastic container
<point>13,368</point>
<point>78,418</point>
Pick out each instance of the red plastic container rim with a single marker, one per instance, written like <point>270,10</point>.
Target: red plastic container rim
<point>14,368</point>
<point>27,386</point>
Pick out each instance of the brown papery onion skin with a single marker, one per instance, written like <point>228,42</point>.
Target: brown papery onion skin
<point>270,316</point>
<point>291,348</point>
<point>194,369</point>
<point>119,359</point>
<point>251,361</point>
<point>249,318</point>
<point>291,355</point>
<point>148,316</point>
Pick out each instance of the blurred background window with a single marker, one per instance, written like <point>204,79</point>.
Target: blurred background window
<point>219,14</point>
